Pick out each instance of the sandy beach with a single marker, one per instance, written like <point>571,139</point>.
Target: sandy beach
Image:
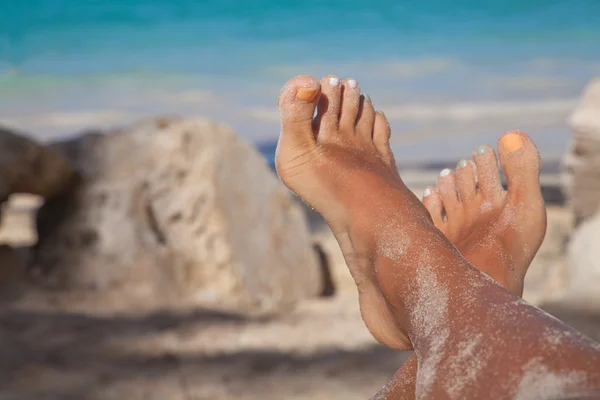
<point>320,350</point>
<point>178,238</point>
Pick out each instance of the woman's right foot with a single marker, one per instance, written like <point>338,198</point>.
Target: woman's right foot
<point>339,162</point>
<point>498,231</point>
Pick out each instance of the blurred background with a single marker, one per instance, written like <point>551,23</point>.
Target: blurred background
<point>449,75</point>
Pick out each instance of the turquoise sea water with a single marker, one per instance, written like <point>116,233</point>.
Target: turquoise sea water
<point>447,73</point>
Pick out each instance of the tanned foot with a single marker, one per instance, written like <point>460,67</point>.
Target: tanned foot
<point>415,288</point>
<point>499,231</point>
<point>331,161</point>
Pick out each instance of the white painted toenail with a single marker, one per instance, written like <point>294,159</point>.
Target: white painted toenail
<point>481,150</point>
<point>353,84</point>
<point>333,81</point>
<point>445,172</point>
<point>427,192</point>
<point>463,164</point>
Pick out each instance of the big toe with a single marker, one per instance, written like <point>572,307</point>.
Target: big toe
<point>297,103</point>
<point>520,161</point>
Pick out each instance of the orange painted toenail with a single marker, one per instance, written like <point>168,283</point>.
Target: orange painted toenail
<point>511,142</point>
<point>304,94</point>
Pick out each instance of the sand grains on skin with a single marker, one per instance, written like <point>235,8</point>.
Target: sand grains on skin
<point>418,306</point>
<point>497,230</point>
<point>472,357</point>
<point>339,162</point>
<point>429,318</point>
<point>540,383</point>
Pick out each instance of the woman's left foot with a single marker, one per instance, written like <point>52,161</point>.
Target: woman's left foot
<point>498,231</point>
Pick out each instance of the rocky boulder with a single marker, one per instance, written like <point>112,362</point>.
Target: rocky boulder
<point>28,167</point>
<point>583,275</point>
<point>25,167</point>
<point>175,213</point>
<point>582,161</point>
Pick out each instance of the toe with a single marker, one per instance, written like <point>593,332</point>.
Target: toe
<point>488,174</point>
<point>381,139</point>
<point>297,103</point>
<point>520,160</point>
<point>366,120</point>
<point>433,204</point>
<point>351,100</point>
<point>327,121</point>
<point>466,181</point>
<point>446,187</point>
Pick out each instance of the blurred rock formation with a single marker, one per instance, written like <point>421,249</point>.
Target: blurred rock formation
<point>582,161</point>
<point>582,184</point>
<point>26,167</point>
<point>29,167</point>
<point>583,274</point>
<point>175,213</point>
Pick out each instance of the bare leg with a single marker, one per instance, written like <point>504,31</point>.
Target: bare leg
<point>403,383</point>
<point>415,288</point>
<point>496,229</point>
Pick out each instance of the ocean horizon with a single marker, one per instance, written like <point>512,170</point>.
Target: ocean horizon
<point>449,75</point>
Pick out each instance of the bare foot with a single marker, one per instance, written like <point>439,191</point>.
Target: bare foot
<point>483,221</point>
<point>414,286</point>
<point>323,159</point>
<point>498,231</point>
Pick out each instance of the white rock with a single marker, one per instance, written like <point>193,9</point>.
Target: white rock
<point>586,117</point>
<point>582,161</point>
<point>177,212</point>
<point>583,274</point>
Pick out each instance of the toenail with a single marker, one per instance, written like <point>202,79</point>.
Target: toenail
<point>305,94</point>
<point>333,81</point>
<point>426,192</point>
<point>463,164</point>
<point>511,142</point>
<point>481,150</point>
<point>352,84</point>
<point>445,172</point>
<point>381,112</point>
<point>368,98</point>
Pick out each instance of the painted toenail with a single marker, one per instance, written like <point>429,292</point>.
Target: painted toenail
<point>426,192</point>
<point>333,81</point>
<point>368,98</point>
<point>463,164</point>
<point>511,142</point>
<point>382,113</point>
<point>305,94</point>
<point>445,172</point>
<point>481,150</point>
<point>352,84</point>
